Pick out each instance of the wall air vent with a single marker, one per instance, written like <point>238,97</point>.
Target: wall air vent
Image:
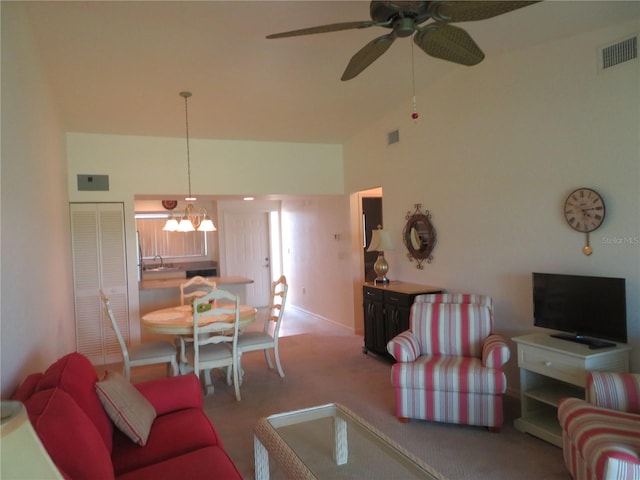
<point>93,183</point>
<point>617,53</point>
<point>393,137</point>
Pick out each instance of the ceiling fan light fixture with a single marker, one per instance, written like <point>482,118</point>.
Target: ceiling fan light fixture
<point>404,27</point>
<point>404,17</point>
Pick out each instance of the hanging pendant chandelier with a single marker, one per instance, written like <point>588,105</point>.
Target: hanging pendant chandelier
<point>194,218</point>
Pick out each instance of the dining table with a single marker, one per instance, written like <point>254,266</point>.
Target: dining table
<point>178,320</point>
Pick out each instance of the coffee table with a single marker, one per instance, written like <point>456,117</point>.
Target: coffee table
<point>330,441</point>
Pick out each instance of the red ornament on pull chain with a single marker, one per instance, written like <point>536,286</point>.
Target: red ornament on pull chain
<point>414,115</point>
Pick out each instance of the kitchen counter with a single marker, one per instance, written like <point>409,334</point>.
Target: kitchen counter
<point>176,282</point>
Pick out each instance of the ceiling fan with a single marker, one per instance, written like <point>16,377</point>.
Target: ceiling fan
<point>438,38</point>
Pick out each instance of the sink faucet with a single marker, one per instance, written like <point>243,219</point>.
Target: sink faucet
<point>161,260</point>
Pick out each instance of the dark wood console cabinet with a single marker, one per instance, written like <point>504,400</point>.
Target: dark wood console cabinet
<point>386,312</point>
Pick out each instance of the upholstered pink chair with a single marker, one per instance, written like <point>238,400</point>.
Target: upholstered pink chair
<point>449,363</point>
<point>471,298</point>
<point>601,435</point>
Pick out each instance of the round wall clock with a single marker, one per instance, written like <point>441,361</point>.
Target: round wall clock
<point>169,204</point>
<point>584,212</point>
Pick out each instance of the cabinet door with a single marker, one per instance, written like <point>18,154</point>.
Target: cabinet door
<point>374,328</point>
<point>397,311</point>
<point>396,320</point>
<point>99,262</point>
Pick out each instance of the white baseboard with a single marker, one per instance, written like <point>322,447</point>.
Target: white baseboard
<point>315,316</point>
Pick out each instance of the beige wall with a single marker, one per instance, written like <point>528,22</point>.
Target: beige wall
<point>495,152</point>
<point>317,257</point>
<point>155,165</point>
<point>37,299</point>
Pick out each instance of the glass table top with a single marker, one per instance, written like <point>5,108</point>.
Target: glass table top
<point>331,441</point>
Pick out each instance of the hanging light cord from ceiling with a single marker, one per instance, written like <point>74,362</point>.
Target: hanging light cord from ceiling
<point>415,113</point>
<point>186,95</point>
<point>193,218</point>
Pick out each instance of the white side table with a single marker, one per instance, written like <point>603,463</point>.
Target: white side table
<point>551,369</point>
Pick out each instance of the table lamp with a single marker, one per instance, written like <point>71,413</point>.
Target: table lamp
<point>23,455</point>
<point>380,241</point>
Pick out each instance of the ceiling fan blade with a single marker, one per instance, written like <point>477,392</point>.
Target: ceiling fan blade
<point>334,27</point>
<point>464,11</point>
<point>367,55</point>
<point>449,43</point>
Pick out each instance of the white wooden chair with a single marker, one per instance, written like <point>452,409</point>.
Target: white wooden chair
<point>202,287</point>
<point>194,288</point>
<point>215,345</point>
<point>267,339</point>
<point>149,353</point>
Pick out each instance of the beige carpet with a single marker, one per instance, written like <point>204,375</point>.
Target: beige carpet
<point>328,366</point>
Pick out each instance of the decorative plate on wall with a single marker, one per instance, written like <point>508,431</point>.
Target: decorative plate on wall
<point>169,204</point>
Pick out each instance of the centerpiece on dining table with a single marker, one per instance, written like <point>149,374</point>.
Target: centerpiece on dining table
<point>205,307</point>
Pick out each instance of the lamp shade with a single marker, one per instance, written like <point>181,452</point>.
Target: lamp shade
<point>185,225</point>
<point>23,455</point>
<point>171,225</point>
<point>206,225</point>
<point>380,241</point>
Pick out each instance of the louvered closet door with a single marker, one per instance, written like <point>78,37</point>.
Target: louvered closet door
<point>99,261</point>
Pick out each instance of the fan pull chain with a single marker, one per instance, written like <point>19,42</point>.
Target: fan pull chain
<point>415,114</point>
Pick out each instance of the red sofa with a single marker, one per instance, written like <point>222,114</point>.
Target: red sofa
<point>67,415</point>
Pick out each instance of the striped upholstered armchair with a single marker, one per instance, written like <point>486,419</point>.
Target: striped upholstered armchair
<point>601,435</point>
<point>449,363</point>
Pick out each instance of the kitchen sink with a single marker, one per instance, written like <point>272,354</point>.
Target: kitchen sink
<point>163,269</point>
<point>163,273</point>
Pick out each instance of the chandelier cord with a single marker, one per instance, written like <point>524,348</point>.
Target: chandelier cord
<point>186,95</point>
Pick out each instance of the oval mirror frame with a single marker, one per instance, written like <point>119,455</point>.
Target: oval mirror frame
<point>419,236</point>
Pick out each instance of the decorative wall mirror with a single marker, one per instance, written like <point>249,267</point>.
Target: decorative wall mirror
<point>419,236</point>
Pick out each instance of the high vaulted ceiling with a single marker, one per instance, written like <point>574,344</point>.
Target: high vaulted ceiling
<point>117,67</point>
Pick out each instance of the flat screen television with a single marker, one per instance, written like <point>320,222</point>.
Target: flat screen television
<point>586,309</point>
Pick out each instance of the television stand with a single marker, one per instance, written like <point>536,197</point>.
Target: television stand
<point>551,369</point>
<point>592,343</point>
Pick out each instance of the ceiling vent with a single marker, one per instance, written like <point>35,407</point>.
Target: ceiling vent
<point>393,137</point>
<point>617,53</point>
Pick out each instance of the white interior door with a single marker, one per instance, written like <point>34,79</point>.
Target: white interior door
<point>246,245</point>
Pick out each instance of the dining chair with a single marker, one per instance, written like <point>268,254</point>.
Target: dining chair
<point>190,290</point>
<point>267,339</point>
<point>215,343</point>
<point>187,293</point>
<point>148,353</point>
